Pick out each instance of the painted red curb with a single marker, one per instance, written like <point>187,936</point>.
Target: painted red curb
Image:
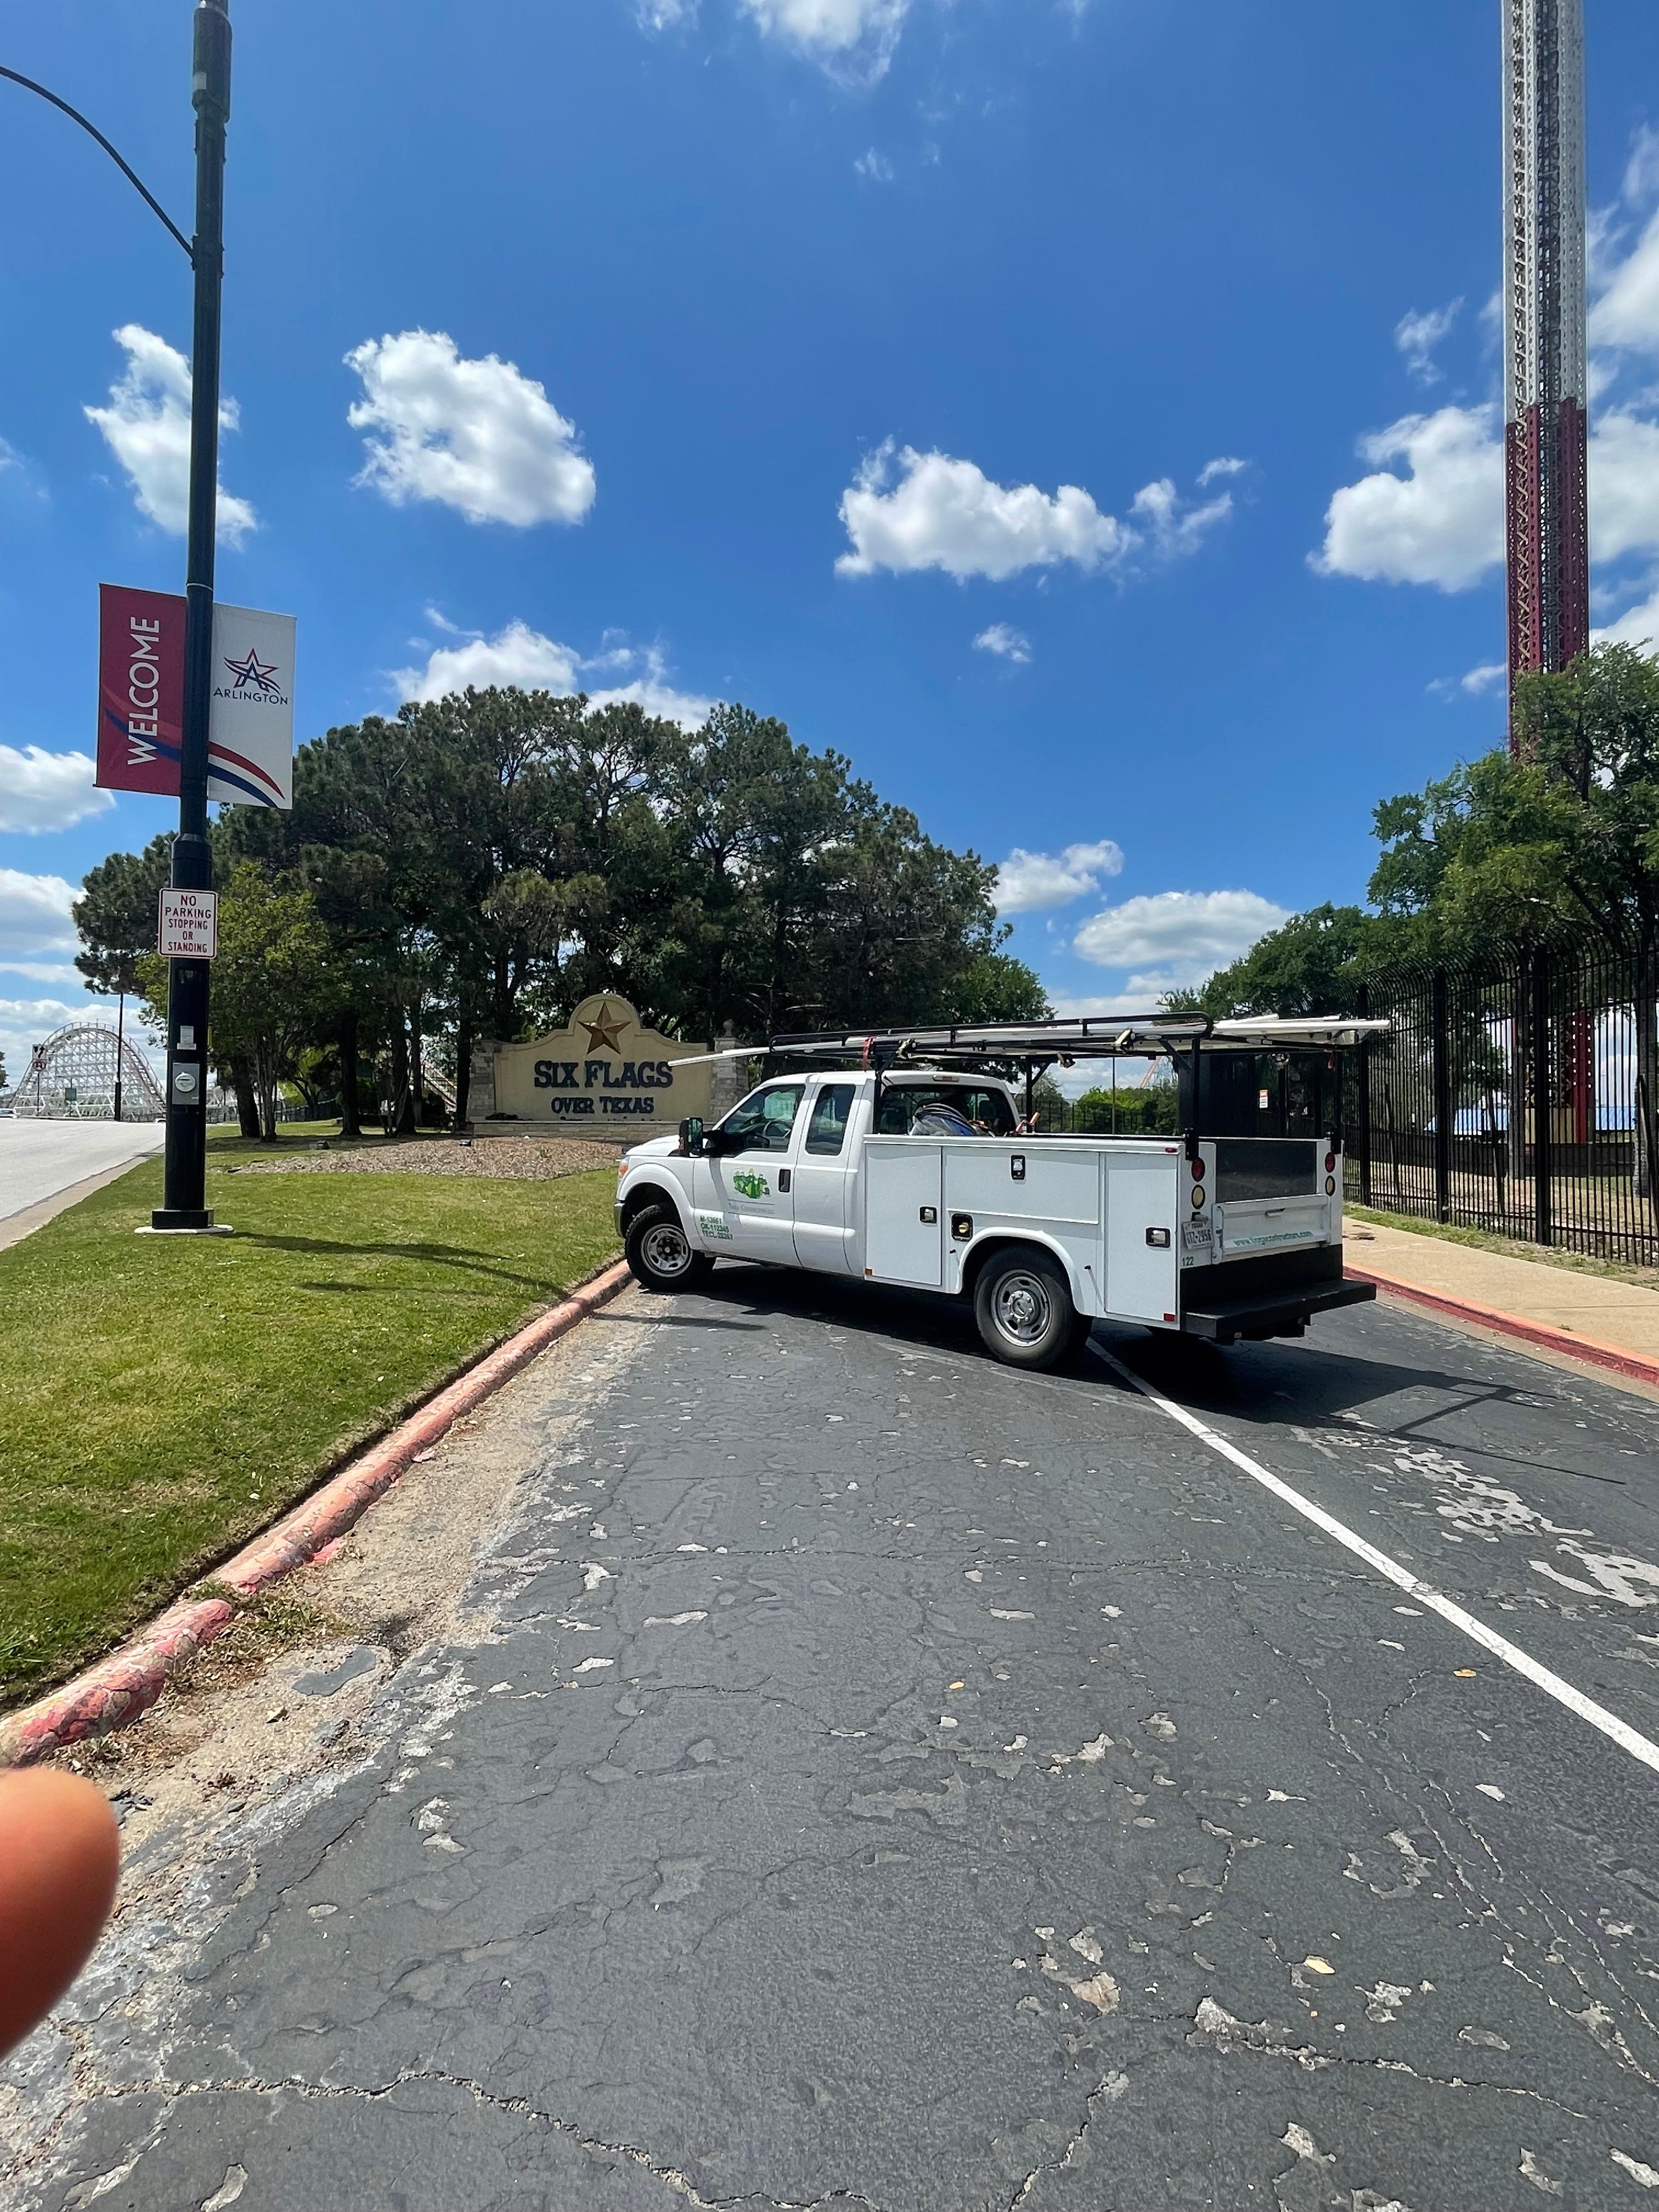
<point>131,1679</point>
<point>1586,1348</point>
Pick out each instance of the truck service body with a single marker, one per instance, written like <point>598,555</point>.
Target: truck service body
<point>924,1177</point>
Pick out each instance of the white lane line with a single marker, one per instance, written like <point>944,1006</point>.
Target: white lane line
<point>1620,1732</point>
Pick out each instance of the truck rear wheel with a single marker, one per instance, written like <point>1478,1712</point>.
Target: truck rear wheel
<point>661,1254</point>
<point>1022,1303</point>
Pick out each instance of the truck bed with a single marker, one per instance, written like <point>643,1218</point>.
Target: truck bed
<point>1116,1211</point>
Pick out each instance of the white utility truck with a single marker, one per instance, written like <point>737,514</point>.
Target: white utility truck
<point>915,1166</point>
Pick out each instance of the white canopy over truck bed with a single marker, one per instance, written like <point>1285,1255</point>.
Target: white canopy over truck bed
<point>914,1167</point>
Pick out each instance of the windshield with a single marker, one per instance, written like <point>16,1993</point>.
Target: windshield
<point>763,1120</point>
<point>943,1110</point>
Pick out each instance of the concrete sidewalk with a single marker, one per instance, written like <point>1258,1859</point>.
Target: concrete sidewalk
<point>1595,1312</point>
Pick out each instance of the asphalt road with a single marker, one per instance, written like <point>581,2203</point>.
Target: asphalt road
<point>40,1158</point>
<point>890,1781</point>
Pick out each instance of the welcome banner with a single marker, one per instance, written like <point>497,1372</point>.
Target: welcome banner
<point>141,690</point>
<point>140,693</point>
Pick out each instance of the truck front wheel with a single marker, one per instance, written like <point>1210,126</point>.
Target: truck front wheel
<point>659,1252</point>
<point>1022,1303</point>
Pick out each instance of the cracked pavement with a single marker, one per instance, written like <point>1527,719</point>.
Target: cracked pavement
<point>853,1773</point>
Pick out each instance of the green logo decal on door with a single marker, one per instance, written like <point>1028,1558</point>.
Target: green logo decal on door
<point>751,1186</point>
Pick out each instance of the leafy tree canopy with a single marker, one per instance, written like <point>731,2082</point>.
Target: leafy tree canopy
<point>1312,965</point>
<point>116,915</point>
<point>1562,836</point>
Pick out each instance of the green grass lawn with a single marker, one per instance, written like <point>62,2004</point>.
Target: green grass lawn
<point>162,1399</point>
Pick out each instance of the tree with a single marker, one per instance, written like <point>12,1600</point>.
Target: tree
<point>1564,836</point>
<point>480,863</point>
<point>274,988</point>
<point>1560,838</point>
<point>1311,965</point>
<point>995,987</point>
<point>116,915</point>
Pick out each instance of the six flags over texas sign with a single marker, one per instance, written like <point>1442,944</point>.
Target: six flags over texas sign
<point>141,697</point>
<point>603,1076</point>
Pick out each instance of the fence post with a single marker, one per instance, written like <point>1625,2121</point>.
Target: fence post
<point>1365,1101</point>
<point>1443,1109</point>
<point>1542,1104</point>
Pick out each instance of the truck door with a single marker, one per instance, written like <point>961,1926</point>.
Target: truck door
<point>746,1189</point>
<point>1142,1229</point>
<point>822,1179</point>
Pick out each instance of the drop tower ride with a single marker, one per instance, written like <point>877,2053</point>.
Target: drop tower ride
<point>1546,435</point>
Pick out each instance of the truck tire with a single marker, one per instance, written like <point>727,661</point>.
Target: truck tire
<point>660,1255</point>
<point>1022,1303</point>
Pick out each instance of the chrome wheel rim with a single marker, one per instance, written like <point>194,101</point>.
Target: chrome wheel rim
<point>665,1250</point>
<point>1022,1306</point>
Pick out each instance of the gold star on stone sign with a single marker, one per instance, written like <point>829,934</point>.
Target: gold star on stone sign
<point>605,1029</point>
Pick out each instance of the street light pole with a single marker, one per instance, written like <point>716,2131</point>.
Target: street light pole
<point>184,1176</point>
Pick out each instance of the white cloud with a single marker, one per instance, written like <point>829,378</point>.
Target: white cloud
<point>1172,528</point>
<point>1626,313</point>
<point>520,656</point>
<point>944,514</point>
<point>1638,625</point>
<point>34,915</point>
<point>651,689</point>
<point>1028,882</point>
<point>665,15</point>
<point>516,655</point>
<point>1010,644</point>
<point>146,426</point>
<point>875,168</point>
<point>41,790</point>
<point>1417,335</point>
<point>851,38</point>
<point>477,436</point>
<point>937,512</point>
<point>1177,937</point>
<point>1224,464</point>
<point>1623,485</point>
<point>42,971</point>
<point>1441,524</point>
<point>1486,677</point>
<point>1473,684</point>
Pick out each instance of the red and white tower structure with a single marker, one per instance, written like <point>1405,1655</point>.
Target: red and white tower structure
<point>1546,436</point>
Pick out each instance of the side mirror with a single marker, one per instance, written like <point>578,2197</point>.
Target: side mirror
<point>692,1138</point>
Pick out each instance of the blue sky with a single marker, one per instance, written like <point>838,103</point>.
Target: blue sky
<point>1078,413</point>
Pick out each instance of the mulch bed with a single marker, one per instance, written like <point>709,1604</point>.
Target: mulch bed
<point>517,1158</point>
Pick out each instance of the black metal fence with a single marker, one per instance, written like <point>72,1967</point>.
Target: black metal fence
<point>1516,1095</point>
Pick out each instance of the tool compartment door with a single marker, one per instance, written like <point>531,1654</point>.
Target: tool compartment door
<point>903,1186</point>
<point>1143,1236</point>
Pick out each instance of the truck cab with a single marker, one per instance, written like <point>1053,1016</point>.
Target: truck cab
<point>780,1177</point>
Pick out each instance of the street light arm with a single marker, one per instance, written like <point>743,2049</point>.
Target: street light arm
<point>133,179</point>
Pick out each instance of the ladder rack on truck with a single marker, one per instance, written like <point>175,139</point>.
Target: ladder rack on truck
<point>903,1157</point>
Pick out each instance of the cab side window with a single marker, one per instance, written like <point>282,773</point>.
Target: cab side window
<point>762,1123</point>
<point>827,1131</point>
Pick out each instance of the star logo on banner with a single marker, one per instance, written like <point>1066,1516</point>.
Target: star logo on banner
<point>605,1029</point>
<point>261,674</point>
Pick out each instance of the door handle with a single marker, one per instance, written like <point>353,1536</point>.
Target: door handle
<point>783,1178</point>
